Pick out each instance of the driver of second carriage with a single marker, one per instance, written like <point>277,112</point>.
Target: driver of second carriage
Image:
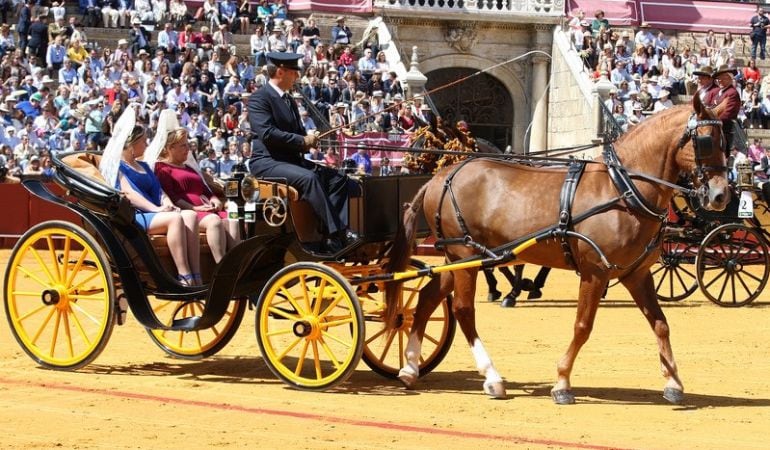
<point>279,146</point>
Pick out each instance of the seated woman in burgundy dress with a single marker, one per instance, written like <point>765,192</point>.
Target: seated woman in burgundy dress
<point>186,188</point>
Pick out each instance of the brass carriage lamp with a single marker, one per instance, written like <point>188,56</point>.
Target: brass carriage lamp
<point>745,175</point>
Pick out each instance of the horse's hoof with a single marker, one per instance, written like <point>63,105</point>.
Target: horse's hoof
<point>508,302</point>
<point>534,294</point>
<point>495,389</point>
<point>493,296</point>
<point>673,395</point>
<point>563,397</point>
<point>407,377</point>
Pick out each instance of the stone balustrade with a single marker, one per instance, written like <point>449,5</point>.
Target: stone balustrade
<point>496,8</point>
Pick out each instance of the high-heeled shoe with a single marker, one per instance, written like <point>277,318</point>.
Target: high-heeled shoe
<point>186,280</point>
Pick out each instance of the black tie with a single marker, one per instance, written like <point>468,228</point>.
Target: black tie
<point>289,102</point>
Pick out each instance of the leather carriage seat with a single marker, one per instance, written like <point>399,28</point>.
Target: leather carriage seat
<point>274,188</point>
<point>87,164</point>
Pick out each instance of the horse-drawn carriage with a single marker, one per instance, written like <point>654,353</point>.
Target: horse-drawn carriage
<point>67,285</point>
<point>726,254</point>
<point>601,218</point>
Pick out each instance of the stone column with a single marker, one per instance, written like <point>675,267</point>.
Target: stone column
<point>538,139</point>
<point>415,80</point>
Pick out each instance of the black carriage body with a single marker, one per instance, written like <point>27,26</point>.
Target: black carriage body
<point>377,212</point>
<point>374,213</point>
<point>110,218</point>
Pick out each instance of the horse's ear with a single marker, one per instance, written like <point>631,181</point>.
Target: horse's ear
<point>697,105</point>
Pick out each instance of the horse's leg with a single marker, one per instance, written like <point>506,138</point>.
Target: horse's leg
<point>489,276</point>
<point>538,284</point>
<point>463,308</point>
<point>515,280</point>
<point>642,288</point>
<point>591,288</point>
<point>431,295</point>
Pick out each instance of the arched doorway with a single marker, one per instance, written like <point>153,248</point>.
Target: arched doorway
<point>482,101</point>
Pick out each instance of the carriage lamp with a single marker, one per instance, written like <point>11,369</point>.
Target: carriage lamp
<point>745,175</point>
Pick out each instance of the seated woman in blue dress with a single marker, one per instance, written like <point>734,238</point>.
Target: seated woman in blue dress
<point>154,211</point>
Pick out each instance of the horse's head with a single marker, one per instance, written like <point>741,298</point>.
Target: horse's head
<point>703,154</point>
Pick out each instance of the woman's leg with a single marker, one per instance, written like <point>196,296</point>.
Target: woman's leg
<point>172,225</point>
<point>233,231</point>
<point>192,235</point>
<point>215,235</point>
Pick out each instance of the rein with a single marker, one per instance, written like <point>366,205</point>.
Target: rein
<point>621,178</point>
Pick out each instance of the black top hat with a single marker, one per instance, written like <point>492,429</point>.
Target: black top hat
<point>725,69</point>
<point>285,60</point>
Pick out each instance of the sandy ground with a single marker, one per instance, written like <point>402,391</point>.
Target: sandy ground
<point>133,396</point>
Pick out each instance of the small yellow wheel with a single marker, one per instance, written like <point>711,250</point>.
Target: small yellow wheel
<point>309,326</point>
<point>384,349</point>
<point>58,295</point>
<point>194,344</point>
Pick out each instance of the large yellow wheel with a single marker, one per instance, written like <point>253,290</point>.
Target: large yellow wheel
<point>310,327</point>
<point>384,348</point>
<point>200,343</point>
<point>58,295</point>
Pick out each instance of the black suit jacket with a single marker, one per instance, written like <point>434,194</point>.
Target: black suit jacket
<point>25,20</point>
<point>38,34</point>
<point>278,133</point>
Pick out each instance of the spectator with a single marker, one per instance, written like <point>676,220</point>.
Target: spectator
<point>664,102</point>
<point>312,32</point>
<point>599,24</point>
<point>38,38</point>
<point>759,24</point>
<point>644,36</point>
<point>307,122</point>
<point>362,159</point>
<point>139,38</point>
<point>259,45</point>
<point>33,168</point>
<point>294,34</point>
<point>24,23</point>
<point>367,64</point>
<point>277,41</point>
<point>346,60</point>
<point>620,74</point>
<point>168,40</point>
<point>752,109</point>
<point>726,50</point>
<point>341,36</point>
<point>228,12</point>
<point>226,162</point>
<point>751,72</point>
<point>210,163</point>
<point>243,15</point>
<point>179,14</point>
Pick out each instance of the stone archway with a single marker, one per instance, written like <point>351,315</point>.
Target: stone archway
<point>509,83</point>
<point>484,103</point>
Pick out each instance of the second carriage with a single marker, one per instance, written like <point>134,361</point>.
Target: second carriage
<point>726,255</point>
<point>67,285</point>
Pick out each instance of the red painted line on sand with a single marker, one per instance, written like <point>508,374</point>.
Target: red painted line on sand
<point>310,416</point>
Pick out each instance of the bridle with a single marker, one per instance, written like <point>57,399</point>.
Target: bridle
<point>703,145</point>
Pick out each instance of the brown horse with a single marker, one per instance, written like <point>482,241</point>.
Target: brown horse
<point>495,203</point>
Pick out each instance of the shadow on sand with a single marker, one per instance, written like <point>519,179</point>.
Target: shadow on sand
<point>253,370</point>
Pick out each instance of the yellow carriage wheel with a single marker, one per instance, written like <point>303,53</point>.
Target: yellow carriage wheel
<point>384,348</point>
<point>194,344</point>
<point>309,326</point>
<point>59,295</point>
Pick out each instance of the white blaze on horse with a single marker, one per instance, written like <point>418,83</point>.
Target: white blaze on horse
<point>602,219</point>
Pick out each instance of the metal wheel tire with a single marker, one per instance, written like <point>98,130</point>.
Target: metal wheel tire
<point>733,265</point>
<point>384,349</point>
<point>674,273</point>
<point>197,344</point>
<point>310,327</point>
<point>59,295</point>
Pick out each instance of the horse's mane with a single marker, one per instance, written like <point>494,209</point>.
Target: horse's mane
<point>657,123</point>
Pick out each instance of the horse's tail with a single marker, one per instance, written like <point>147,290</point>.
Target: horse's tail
<point>401,254</point>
